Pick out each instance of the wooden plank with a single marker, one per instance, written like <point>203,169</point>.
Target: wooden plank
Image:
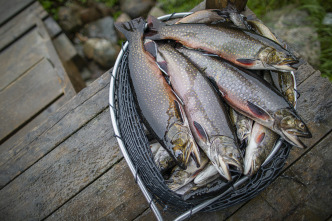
<point>20,24</point>
<point>52,27</point>
<point>20,57</point>
<point>8,9</point>
<point>78,161</point>
<point>303,193</point>
<point>17,158</point>
<point>315,107</point>
<point>30,94</point>
<point>114,196</point>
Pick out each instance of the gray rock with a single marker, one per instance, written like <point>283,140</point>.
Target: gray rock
<point>102,28</point>
<point>294,27</point>
<point>68,19</point>
<point>328,19</point>
<point>102,51</point>
<point>156,12</point>
<point>136,8</point>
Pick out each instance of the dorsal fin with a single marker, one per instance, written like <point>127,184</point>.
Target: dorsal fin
<point>201,132</point>
<point>258,112</point>
<point>151,47</point>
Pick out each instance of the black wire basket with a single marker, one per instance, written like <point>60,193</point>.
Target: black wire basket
<point>135,146</point>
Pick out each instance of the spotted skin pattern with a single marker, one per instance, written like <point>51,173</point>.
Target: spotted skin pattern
<point>230,43</point>
<point>155,99</point>
<point>247,93</point>
<point>201,103</point>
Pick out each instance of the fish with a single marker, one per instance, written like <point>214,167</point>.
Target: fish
<point>159,108</point>
<point>251,96</point>
<point>261,143</point>
<point>163,160</point>
<point>239,46</point>
<point>204,16</point>
<point>206,113</point>
<point>207,175</point>
<point>284,82</point>
<point>180,177</point>
<point>242,124</point>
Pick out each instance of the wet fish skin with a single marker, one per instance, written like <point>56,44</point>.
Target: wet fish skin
<point>179,177</point>
<point>204,16</point>
<point>261,143</point>
<point>206,114</point>
<point>243,125</point>
<point>207,175</point>
<point>283,81</point>
<point>163,160</point>
<point>241,47</point>
<point>158,106</point>
<point>252,97</point>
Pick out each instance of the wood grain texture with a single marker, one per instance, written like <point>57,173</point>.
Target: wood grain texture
<point>304,192</point>
<point>20,24</point>
<point>10,8</point>
<point>20,57</point>
<point>59,127</point>
<point>61,174</point>
<point>114,196</point>
<point>30,94</point>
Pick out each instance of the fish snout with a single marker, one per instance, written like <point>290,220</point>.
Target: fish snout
<point>226,154</point>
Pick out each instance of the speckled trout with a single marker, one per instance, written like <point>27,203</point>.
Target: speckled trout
<point>206,113</point>
<point>241,47</point>
<point>251,96</point>
<point>159,108</point>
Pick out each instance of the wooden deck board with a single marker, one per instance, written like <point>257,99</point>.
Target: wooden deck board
<point>10,8</point>
<point>28,50</point>
<point>71,118</point>
<point>31,93</point>
<point>62,173</point>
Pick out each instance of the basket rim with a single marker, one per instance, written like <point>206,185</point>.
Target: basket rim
<point>129,162</point>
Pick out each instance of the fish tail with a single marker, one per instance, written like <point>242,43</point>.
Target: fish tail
<point>154,26</point>
<point>136,25</point>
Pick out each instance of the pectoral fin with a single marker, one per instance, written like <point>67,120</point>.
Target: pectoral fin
<point>201,132</point>
<point>258,112</point>
<point>246,61</point>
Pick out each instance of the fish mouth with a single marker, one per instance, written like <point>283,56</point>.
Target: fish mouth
<point>293,139</point>
<point>225,153</point>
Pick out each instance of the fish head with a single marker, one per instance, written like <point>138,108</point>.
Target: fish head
<point>291,126</point>
<point>225,152</point>
<point>274,59</point>
<point>177,179</point>
<point>183,144</point>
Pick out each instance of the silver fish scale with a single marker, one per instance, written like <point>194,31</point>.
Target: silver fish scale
<point>202,103</point>
<point>153,98</point>
<point>232,43</point>
<point>236,83</point>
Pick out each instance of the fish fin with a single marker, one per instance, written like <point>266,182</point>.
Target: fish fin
<point>260,138</point>
<point>246,61</point>
<point>179,110</point>
<point>128,28</point>
<point>163,66</point>
<point>258,112</point>
<point>154,25</point>
<point>151,47</point>
<point>201,132</point>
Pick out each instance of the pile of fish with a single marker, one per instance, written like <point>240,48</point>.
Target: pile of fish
<point>205,86</point>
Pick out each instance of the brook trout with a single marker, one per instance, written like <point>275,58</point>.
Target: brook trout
<point>252,96</point>
<point>159,108</point>
<point>241,47</point>
<point>206,114</point>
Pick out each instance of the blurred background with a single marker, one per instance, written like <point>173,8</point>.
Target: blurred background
<point>306,25</point>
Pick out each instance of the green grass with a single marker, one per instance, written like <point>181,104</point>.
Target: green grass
<point>170,6</point>
<point>317,10</point>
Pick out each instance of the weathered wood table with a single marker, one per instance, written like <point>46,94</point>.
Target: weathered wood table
<point>70,167</point>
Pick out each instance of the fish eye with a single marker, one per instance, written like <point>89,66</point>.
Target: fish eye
<point>301,125</point>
